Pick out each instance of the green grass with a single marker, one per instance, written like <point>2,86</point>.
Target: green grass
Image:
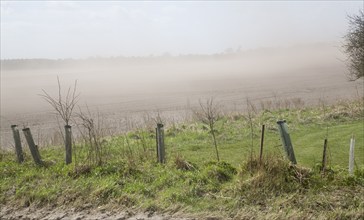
<point>307,127</point>
<point>193,182</point>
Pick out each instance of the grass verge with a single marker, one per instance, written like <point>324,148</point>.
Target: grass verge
<point>192,182</point>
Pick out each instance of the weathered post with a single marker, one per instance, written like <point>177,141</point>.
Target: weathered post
<point>160,143</point>
<point>157,143</point>
<point>18,147</point>
<point>351,155</point>
<point>68,143</point>
<point>286,140</point>
<point>323,166</point>
<point>261,144</point>
<point>33,148</point>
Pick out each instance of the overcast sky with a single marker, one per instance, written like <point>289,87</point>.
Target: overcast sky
<point>80,29</point>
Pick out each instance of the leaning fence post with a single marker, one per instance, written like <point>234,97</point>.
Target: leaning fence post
<point>286,140</point>
<point>351,155</point>
<point>261,144</point>
<point>68,143</point>
<point>18,148</point>
<point>33,148</point>
<point>160,143</point>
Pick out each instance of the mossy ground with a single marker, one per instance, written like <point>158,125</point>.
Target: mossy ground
<point>193,182</point>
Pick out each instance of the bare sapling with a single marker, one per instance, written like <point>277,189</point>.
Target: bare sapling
<point>142,137</point>
<point>92,134</point>
<point>159,134</point>
<point>158,119</point>
<point>129,125</point>
<point>261,144</point>
<point>64,106</point>
<point>251,110</point>
<point>145,130</point>
<point>209,115</point>
<point>324,154</point>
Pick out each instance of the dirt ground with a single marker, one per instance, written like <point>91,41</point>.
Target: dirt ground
<point>129,90</point>
<point>48,213</point>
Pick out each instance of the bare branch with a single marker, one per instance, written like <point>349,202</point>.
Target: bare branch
<point>64,107</point>
<point>209,115</point>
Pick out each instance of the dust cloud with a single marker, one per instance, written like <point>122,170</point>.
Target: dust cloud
<point>124,85</point>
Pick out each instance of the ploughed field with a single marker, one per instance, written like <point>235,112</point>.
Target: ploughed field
<point>127,91</point>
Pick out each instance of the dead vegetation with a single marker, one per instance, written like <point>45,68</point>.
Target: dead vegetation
<point>208,114</point>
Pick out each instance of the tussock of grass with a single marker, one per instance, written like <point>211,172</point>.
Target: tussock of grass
<point>276,174</point>
<point>219,171</point>
<point>183,164</point>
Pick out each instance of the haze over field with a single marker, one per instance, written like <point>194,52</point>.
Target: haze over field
<point>133,87</point>
<point>307,71</point>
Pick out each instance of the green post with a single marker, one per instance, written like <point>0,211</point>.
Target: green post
<point>286,140</point>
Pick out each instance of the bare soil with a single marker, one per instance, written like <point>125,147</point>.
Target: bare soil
<point>49,213</point>
<point>129,90</point>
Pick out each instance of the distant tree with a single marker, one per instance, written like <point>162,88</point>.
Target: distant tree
<point>354,46</point>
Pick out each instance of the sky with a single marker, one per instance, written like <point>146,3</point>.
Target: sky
<point>81,29</point>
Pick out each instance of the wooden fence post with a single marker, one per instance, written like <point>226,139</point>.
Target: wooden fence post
<point>33,148</point>
<point>261,144</point>
<point>68,143</point>
<point>18,147</point>
<point>160,143</point>
<point>324,157</point>
<point>286,140</point>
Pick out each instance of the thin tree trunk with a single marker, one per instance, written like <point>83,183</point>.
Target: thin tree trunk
<point>261,144</point>
<point>217,151</point>
<point>323,166</point>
